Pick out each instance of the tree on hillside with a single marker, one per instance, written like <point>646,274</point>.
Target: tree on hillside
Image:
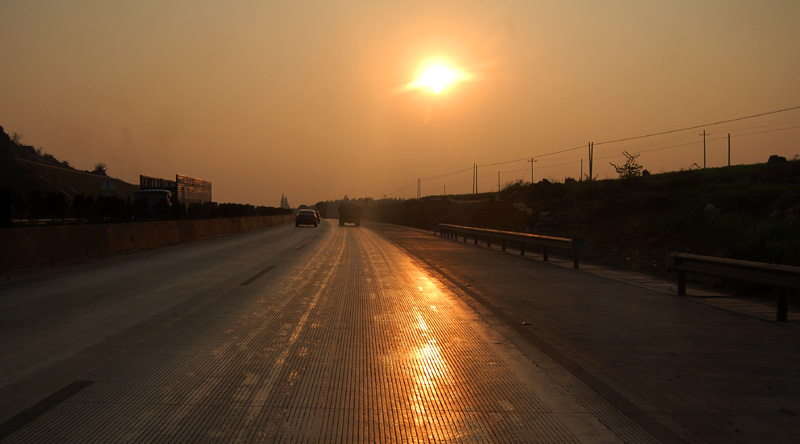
<point>100,168</point>
<point>630,169</point>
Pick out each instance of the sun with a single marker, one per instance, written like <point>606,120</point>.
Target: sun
<point>437,77</point>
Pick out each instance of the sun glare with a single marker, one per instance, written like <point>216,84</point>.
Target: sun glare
<point>437,77</point>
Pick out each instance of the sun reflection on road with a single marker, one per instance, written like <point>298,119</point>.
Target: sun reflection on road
<point>430,370</point>
<point>421,323</point>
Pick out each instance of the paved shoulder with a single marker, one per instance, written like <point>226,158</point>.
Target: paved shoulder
<point>720,375</point>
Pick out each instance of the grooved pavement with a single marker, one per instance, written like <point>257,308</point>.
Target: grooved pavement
<point>717,371</point>
<point>288,335</point>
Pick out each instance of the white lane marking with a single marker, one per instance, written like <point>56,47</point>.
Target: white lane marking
<point>260,398</point>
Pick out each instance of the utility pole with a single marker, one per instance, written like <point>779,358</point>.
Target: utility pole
<point>475,178</point>
<point>729,149</point>
<point>498,181</point>
<point>581,176</point>
<point>591,160</point>
<point>419,188</point>
<point>532,161</point>
<point>704,146</point>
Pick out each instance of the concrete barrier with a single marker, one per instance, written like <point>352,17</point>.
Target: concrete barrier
<point>34,247</point>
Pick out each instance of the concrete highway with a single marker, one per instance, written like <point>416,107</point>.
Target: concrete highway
<point>377,334</point>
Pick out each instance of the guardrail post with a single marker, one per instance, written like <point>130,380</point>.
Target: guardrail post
<point>522,248</point>
<point>578,247</point>
<point>783,305</point>
<point>503,244</point>
<point>476,240</point>
<point>681,283</point>
<point>544,254</point>
<point>465,237</point>
<point>489,241</point>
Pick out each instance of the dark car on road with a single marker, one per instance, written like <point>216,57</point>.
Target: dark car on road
<point>350,213</point>
<point>305,217</point>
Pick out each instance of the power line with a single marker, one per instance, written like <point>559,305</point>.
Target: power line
<point>709,140</point>
<point>692,143</point>
<point>626,139</point>
<point>533,157</point>
<point>699,126</point>
<point>446,175</point>
<point>650,135</point>
<point>762,132</point>
<point>680,145</point>
<point>401,189</point>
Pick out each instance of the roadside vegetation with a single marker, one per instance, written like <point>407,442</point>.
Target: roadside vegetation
<point>747,212</point>
<point>36,188</point>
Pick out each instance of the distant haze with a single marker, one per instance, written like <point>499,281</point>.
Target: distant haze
<point>304,98</point>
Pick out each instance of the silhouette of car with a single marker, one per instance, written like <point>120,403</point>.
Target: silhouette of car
<point>305,217</point>
<point>350,213</point>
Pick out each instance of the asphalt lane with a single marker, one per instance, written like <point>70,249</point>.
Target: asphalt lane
<point>286,335</point>
<point>680,368</point>
<point>378,334</point>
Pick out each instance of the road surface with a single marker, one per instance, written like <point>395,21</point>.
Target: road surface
<point>344,334</point>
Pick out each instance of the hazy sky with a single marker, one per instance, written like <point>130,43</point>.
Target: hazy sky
<point>306,97</point>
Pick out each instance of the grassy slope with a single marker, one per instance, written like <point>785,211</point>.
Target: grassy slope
<point>749,212</point>
<point>72,182</point>
<point>24,169</point>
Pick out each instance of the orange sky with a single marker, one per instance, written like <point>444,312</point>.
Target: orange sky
<point>265,98</point>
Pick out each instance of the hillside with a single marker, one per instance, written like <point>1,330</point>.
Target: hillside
<point>35,188</point>
<point>23,169</point>
<point>749,212</point>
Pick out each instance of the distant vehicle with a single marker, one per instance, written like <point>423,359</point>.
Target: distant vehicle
<point>322,208</point>
<point>305,217</point>
<point>350,213</point>
<point>152,203</point>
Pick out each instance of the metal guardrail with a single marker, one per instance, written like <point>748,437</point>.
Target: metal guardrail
<point>576,245</point>
<point>779,277</point>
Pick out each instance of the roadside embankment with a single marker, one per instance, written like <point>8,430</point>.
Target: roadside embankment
<point>24,248</point>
